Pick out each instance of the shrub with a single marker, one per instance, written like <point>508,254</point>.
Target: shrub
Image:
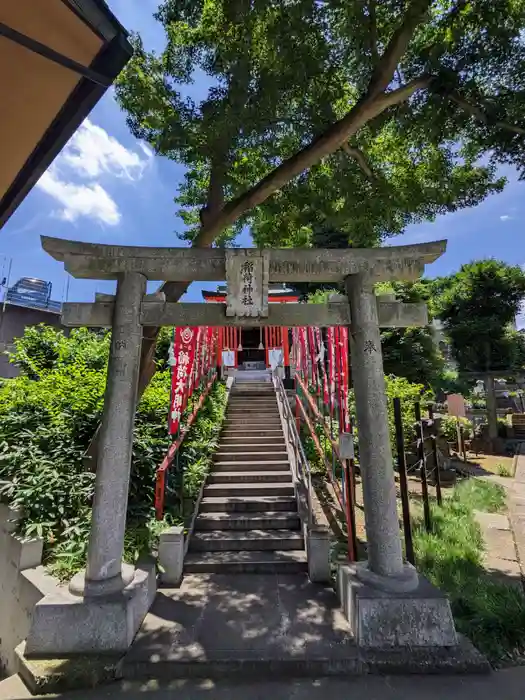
<point>48,416</point>
<point>503,470</point>
<point>449,428</point>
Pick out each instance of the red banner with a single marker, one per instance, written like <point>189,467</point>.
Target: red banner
<point>303,362</point>
<point>184,359</point>
<point>331,365</point>
<point>196,377</point>
<point>345,378</point>
<point>313,354</point>
<point>322,351</point>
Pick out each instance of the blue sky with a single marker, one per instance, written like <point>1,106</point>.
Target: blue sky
<point>109,188</point>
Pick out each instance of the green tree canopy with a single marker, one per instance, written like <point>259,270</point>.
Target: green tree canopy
<point>357,114</point>
<point>410,353</point>
<point>478,306</point>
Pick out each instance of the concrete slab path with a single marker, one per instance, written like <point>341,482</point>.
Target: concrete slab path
<point>214,618</point>
<point>504,685</point>
<point>500,557</point>
<point>516,501</point>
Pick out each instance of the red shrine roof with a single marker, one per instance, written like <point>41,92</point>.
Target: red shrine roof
<point>282,297</point>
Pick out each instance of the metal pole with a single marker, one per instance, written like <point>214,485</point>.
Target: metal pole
<point>402,468</point>
<point>423,465</point>
<point>437,475</point>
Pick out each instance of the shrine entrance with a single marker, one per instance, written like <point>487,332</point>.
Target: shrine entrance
<point>380,596</point>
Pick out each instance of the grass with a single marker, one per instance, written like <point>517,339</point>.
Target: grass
<point>492,463</point>
<point>503,470</point>
<point>490,613</point>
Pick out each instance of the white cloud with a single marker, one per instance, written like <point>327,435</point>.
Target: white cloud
<point>505,217</point>
<point>89,200</point>
<point>90,156</point>
<point>91,152</point>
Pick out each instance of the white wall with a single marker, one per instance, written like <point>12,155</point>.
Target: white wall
<point>23,582</point>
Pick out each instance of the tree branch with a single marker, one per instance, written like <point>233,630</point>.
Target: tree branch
<point>383,72</point>
<point>475,111</point>
<point>215,196</point>
<point>373,30</point>
<point>329,142</point>
<point>358,155</point>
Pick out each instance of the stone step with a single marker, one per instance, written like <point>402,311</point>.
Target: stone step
<point>248,456</point>
<point>239,489</point>
<point>256,398</point>
<point>252,401</point>
<point>261,392</point>
<point>250,427</point>
<point>250,562</point>
<point>246,421</point>
<point>255,432</point>
<point>253,407</point>
<point>283,466</point>
<point>240,384</point>
<point>270,520</point>
<point>252,411</point>
<point>240,444</point>
<point>245,540</point>
<point>247,504</point>
<point>251,476</point>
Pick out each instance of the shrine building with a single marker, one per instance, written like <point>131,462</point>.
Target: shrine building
<point>254,348</point>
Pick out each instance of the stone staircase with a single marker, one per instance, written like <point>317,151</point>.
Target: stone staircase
<point>248,520</point>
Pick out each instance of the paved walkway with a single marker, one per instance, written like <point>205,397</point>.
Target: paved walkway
<point>247,620</point>
<point>500,558</point>
<point>504,685</point>
<point>516,501</point>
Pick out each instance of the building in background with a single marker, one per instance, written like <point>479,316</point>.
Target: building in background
<point>27,303</point>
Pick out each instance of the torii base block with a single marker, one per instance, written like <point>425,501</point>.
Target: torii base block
<point>419,617</point>
<point>66,625</point>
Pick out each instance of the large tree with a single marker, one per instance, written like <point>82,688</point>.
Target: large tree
<point>478,307</point>
<point>361,114</point>
<point>407,352</point>
<point>412,352</point>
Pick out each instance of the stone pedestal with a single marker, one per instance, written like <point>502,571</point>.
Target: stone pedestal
<point>383,619</point>
<point>65,624</point>
<point>318,554</point>
<point>171,555</point>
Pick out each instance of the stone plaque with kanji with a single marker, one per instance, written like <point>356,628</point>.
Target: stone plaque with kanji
<point>247,279</point>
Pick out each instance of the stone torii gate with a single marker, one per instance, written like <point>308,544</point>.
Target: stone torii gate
<point>110,599</point>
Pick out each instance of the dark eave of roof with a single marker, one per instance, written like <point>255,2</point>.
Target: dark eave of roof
<point>110,60</point>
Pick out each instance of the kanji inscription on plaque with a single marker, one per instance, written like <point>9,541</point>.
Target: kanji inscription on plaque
<point>247,280</point>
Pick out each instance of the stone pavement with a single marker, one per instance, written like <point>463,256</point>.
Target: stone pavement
<point>500,557</point>
<point>218,620</point>
<point>503,685</point>
<point>516,501</point>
